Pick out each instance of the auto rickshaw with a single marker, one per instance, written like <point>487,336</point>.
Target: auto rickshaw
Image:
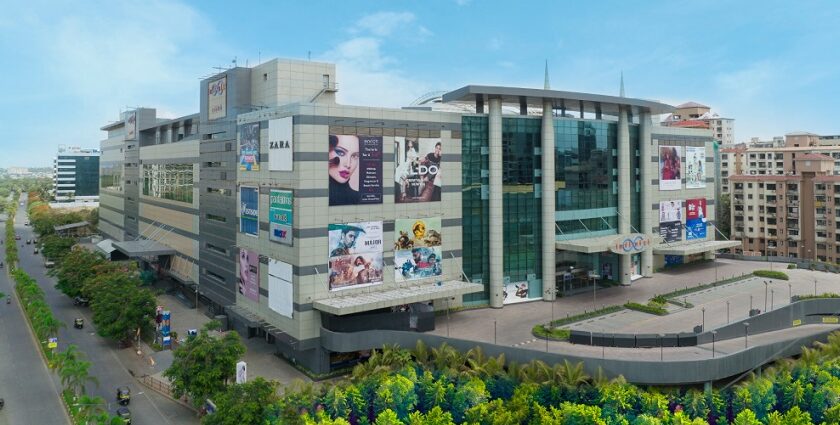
<point>124,414</point>
<point>123,395</point>
<point>79,323</point>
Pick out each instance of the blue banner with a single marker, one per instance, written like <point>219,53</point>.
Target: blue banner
<point>695,229</point>
<point>249,207</point>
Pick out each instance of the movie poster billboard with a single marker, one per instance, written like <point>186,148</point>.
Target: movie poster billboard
<point>280,216</point>
<point>515,292</point>
<point>417,248</point>
<point>355,255</point>
<point>695,167</point>
<point>280,144</point>
<point>249,210</point>
<point>217,99</point>
<point>695,219</point>
<point>249,147</point>
<point>249,274</point>
<point>670,167</point>
<point>355,170</point>
<point>280,289</point>
<point>670,220</point>
<point>417,169</point>
<point>131,125</point>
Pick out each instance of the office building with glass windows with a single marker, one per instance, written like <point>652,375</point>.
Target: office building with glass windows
<point>76,176</point>
<point>310,221</point>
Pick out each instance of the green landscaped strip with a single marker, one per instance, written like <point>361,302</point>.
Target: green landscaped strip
<point>772,274</point>
<point>587,315</point>
<point>692,289</point>
<point>555,334</point>
<point>659,311</point>
<point>815,297</point>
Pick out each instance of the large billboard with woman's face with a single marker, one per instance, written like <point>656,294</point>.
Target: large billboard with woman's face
<point>355,254</point>
<point>249,274</point>
<point>417,169</point>
<point>670,167</point>
<point>417,248</point>
<point>355,170</point>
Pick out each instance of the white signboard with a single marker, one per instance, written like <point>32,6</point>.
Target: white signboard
<point>217,99</point>
<point>280,144</point>
<point>280,292</point>
<point>695,167</point>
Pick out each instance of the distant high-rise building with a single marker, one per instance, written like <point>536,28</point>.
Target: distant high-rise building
<point>695,115</point>
<point>76,175</point>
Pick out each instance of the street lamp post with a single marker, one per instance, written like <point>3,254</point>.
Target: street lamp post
<point>766,286</point>
<point>815,287</point>
<point>751,304</point>
<point>790,292</point>
<point>703,323</point>
<point>713,343</point>
<point>772,303</point>
<point>746,333</point>
<point>727,312</point>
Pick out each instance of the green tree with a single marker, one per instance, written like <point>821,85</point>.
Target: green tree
<point>746,417</point>
<point>121,308</point>
<point>56,247</point>
<point>243,403</point>
<point>436,416</point>
<point>204,365</point>
<point>388,417</point>
<point>724,215</point>
<point>78,266</point>
<point>75,375</point>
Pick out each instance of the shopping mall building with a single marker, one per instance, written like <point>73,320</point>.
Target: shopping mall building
<point>293,215</point>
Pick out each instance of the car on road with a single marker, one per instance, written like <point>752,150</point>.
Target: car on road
<point>26,223</point>
<point>49,264</point>
<point>17,237</point>
<point>79,323</point>
<point>36,251</point>
<point>124,414</point>
<point>80,300</point>
<point>29,241</point>
<point>123,395</point>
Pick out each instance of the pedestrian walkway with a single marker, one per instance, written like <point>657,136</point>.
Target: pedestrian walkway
<point>512,324</point>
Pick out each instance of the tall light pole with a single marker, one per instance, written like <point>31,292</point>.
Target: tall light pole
<point>815,287</point>
<point>703,323</point>
<point>713,343</point>
<point>746,333</point>
<point>772,303</point>
<point>751,303</point>
<point>727,312</point>
<point>766,285</point>
<point>790,293</point>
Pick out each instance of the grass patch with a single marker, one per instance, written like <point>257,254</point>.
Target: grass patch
<point>791,266</point>
<point>688,290</point>
<point>815,297</point>
<point>683,304</point>
<point>651,308</point>
<point>553,334</point>
<point>586,315</point>
<point>771,274</point>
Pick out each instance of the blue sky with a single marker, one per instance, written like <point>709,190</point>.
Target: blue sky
<point>70,67</point>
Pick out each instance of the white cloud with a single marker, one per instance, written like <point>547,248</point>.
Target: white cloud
<point>383,24</point>
<point>747,82</point>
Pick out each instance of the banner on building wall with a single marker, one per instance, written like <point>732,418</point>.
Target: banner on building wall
<point>695,219</point>
<point>515,292</point>
<point>355,170</point>
<point>249,147</point>
<point>670,220</point>
<point>695,167</point>
<point>417,169</point>
<point>280,289</point>
<point>131,125</point>
<point>418,249</point>
<point>249,210</point>
<point>280,145</point>
<point>670,168</point>
<point>280,216</point>
<point>249,274</point>
<point>217,99</point>
<point>355,254</point>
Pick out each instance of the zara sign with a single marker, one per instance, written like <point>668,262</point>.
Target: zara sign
<point>280,144</point>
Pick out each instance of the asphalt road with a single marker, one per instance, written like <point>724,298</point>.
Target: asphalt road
<point>147,406</point>
<point>31,395</point>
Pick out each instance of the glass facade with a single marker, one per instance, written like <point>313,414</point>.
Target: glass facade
<point>586,167</point>
<point>169,181</point>
<point>111,176</point>
<point>87,176</point>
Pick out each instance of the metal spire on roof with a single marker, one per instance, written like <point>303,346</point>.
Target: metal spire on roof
<point>621,92</point>
<point>546,85</point>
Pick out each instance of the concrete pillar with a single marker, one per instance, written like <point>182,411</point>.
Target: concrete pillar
<point>496,209</point>
<point>549,263</point>
<point>625,177</point>
<point>646,198</point>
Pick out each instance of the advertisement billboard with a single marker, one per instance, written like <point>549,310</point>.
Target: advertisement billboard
<point>131,125</point>
<point>249,147</point>
<point>280,144</point>
<point>249,274</point>
<point>355,170</point>
<point>355,254</point>
<point>280,291</point>
<point>515,292</point>
<point>695,219</point>
<point>670,167</point>
<point>417,169</point>
<point>670,221</point>
<point>280,216</point>
<point>217,99</point>
<point>249,210</point>
<point>417,248</point>
<point>695,167</point>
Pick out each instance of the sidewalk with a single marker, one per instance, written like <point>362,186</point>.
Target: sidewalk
<point>513,323</point>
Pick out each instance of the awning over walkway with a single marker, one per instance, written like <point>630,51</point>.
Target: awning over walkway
<point>587,245</point>
<point>59,229</point>
<point>690,247</point>
<point>106,246</point>
<point>397,296</point>
<point>143,248</point>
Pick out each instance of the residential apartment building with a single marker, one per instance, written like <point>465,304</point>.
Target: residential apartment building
<point>695,115</point>
<point>76,175</point>
<point>786,200</point>
<point>301,219</point>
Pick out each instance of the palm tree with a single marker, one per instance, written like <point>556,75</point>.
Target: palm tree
<point>89,408</point>
<point>74,376</point>
<point>421,353</point>
<point>569,375</point>
<point>809,356</point>
<point>537,371</point>
<point>63,358</point>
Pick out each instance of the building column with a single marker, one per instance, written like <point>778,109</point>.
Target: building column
<point>549,247</point>
<point>645,145</point>
<point>496,230</point>
<point>625,176</point>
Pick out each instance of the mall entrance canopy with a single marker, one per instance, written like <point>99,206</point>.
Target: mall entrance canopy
<point>691,247</point>
<point>143,248</point>
<point>357,303</point>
